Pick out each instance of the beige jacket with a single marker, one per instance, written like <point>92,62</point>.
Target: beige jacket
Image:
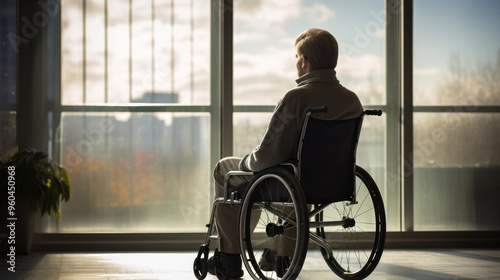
<point>316,88</point>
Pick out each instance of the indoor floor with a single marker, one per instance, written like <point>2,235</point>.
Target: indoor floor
<point>395,264</point>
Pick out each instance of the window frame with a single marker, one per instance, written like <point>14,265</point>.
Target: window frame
<point>36,127</point>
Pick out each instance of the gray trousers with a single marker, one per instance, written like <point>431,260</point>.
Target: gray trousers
<point>227,216</point>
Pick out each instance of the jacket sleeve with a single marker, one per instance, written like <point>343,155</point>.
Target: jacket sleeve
<point>279,143</point>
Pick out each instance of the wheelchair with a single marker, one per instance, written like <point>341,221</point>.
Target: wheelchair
<point>322,201</point>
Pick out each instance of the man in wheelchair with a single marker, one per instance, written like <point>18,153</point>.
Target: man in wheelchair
<point>317,85</point>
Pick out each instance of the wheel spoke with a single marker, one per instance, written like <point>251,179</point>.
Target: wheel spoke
<point>358,243</point>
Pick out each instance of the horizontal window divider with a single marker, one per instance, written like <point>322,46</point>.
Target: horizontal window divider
<point>138,108</point>
<point>456,109</point>
<point>253,108</point>
<point>172,108</point>
<point>378,107</point>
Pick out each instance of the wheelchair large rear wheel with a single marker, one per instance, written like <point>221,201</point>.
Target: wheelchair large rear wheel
<point>355,244</point>
<point>274,226</point>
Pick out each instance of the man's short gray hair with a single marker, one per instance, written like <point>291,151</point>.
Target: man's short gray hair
<point>319,47</point>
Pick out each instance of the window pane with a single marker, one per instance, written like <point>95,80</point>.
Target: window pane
<point>371,155</point>
<point>456,155</point>
<point>457,170</point>
<point>456,52</point>
<point>120,51</point>
<point>8,50</point>
<point>249,128</point>
<point>8,127</point>
<point>8,69</point>
<point>136,172</point>
<point>264,52</point>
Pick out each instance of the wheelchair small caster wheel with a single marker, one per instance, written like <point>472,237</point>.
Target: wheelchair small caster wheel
<point>200,268</point>
<point>200,265</point>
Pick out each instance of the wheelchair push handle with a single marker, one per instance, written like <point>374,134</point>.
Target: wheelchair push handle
<point>319,109</point>
<point>324,109</point>
<point>373,112</point>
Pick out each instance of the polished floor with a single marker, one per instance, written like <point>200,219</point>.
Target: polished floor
<point>395,264</point>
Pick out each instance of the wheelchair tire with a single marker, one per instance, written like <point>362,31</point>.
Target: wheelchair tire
<point>358,243</point>
<point>273,225</point>
<point>200,264</point>
<point>200,268</point>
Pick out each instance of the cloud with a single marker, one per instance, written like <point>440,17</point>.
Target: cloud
<point>361,66</point>
<point>263,77</point>
<point>318,13</point>
<point>426,71</point>
<point>250,37</point>
<point>264,63</point>
<point>273,14</point>
<point>365,75</point>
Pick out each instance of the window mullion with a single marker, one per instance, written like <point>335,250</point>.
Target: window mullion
<point>407,114</point>
<point>227,79</point>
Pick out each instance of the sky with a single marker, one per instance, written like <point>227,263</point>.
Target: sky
<point>265,54</point>
<point>449,30</point>
<point>444,30</point>
<point>264,32</point>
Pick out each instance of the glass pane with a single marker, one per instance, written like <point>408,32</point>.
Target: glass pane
<point>457,170</point>
<point>456,52</point>
<point>264,52</point>
<point>135,172</point>
<point>8,50</point>
<point>121,51</point>
<point>8,144</point>
<point>371,155</point>
<point>248,130</point>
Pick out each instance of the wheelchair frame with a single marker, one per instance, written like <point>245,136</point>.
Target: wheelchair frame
<point>351,244</point>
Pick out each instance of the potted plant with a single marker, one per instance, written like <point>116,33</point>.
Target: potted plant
<point>32,184</point>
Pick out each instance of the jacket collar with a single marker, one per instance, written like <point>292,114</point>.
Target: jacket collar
<point>322,75</point>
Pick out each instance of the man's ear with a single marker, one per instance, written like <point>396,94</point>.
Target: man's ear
<point>305,63</point>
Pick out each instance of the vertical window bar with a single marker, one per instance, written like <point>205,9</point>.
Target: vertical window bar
<point>215,83</point>
<point>130,62</point>
<point>153,94</point>
<point>106,49</point>
<point>407,160</point>
<point>227,79</point>
<point>153,58</point>
<point>192,52</point>
<point>172,46</point>
<point>393,112</point>
<point>84,52</point>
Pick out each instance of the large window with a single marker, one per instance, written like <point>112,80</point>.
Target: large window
<point>456,115</point>
<point>264,68</point>
<point>141,98</point>
<point>134,120</point>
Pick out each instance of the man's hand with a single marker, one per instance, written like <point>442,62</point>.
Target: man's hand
<point>243,165</point>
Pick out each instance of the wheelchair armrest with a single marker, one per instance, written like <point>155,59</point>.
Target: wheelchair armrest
<point>238,172</point>
<point>233,173</point>
<point>292,167</point>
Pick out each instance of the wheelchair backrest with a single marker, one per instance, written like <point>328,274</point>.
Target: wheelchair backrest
<point>327,159</point>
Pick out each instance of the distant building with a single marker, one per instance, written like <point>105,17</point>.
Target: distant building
<point>156,97</point>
